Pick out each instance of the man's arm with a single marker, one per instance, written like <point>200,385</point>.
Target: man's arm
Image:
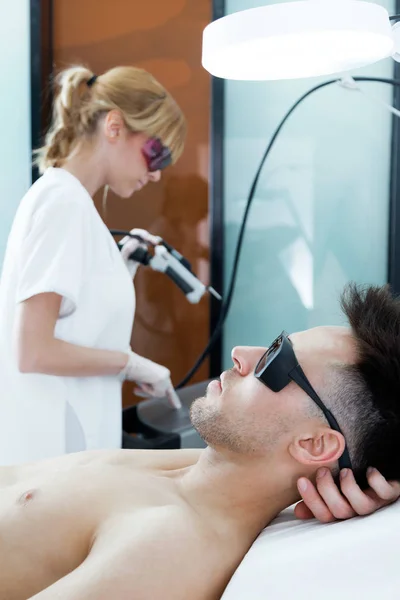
<point>100,577</point>
<point>145,557</point>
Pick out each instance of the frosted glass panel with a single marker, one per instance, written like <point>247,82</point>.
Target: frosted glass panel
<point>320,215</point>
<point>15,141</point>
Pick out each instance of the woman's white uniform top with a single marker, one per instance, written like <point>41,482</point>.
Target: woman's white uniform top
<point>59,243</point>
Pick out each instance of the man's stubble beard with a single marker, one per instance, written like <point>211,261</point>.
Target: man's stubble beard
<point>218,430</point>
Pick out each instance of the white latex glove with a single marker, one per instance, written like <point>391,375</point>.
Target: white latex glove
<point>154,379</point>
<point>131,244</point>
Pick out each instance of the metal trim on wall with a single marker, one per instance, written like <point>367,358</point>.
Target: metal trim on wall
<point>394,193</point>
<point>216,202</point>
<point>41,24</point>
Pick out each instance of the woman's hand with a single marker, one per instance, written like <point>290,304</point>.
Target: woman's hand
<point>327,503</point>
<point>130,244</point>
<point>153,379</point>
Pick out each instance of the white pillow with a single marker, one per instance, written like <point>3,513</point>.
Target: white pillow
<point>306,560</point>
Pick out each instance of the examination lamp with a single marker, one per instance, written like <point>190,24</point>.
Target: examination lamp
<point>299,39</point>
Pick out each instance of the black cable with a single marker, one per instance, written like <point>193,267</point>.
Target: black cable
<point>120,232</point>
<point>227,302</point>
<point>394,18</point>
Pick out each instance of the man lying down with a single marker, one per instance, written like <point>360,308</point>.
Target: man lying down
<point>175,524</point>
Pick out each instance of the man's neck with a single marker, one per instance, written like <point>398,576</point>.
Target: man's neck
<point>243,490</point>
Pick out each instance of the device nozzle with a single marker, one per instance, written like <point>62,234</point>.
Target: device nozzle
<point>214,293</point>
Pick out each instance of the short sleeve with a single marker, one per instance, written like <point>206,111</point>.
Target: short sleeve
<point>53,256</point>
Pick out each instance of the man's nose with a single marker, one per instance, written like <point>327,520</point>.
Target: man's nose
<point>245,358</point>
<point>155,176</point>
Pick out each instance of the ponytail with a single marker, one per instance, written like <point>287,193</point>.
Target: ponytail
<point>82,97</point>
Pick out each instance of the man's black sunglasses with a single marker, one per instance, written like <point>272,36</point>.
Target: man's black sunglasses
<point>278,366</point>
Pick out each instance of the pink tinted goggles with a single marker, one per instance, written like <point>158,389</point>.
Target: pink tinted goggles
<point>157,155</point>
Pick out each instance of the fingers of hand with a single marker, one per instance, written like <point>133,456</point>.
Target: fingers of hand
<point>140,393</point>
<point>129,247</point>
<point>387,491</point>
<point>362,503</point>
<point>143,390</point>
<point>160,382</point>
<point>147,387</point>
<point>302,511</point>
<point>160,388</point>
<point>313,502</point>
<point>145,235</point>
<point>324,500</point>
<point>336,503</point>
<point>153,390</point>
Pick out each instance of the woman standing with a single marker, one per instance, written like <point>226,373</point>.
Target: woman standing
<point>66,296</point>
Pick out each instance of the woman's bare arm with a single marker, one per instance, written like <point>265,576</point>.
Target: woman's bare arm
<point>40,352</point>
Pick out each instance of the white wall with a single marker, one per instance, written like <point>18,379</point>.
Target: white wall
<point>15,137</point>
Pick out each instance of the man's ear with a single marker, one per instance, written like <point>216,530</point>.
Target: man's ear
<point>322,447</point>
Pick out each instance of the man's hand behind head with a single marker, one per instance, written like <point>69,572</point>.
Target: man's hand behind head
<point>327,503</point>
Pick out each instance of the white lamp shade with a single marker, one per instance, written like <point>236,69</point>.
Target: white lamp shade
<point>297,39</point>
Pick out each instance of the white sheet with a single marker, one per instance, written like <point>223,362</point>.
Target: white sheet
<point>294,560</point>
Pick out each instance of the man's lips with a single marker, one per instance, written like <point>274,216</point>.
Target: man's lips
<point>223,381</point>
<point>222,377</point>
<point>228,378</point>
<point>215,385</point>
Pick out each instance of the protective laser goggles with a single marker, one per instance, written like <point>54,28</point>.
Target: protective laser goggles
<point>157,155</point>
<point>278,366</point>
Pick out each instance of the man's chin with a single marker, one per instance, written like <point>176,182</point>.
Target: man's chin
<point>203,416</point>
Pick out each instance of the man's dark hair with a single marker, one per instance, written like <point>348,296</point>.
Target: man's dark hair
<point>372,385</point>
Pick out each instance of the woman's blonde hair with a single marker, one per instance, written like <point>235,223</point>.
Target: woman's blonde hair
<point>143,103</point>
